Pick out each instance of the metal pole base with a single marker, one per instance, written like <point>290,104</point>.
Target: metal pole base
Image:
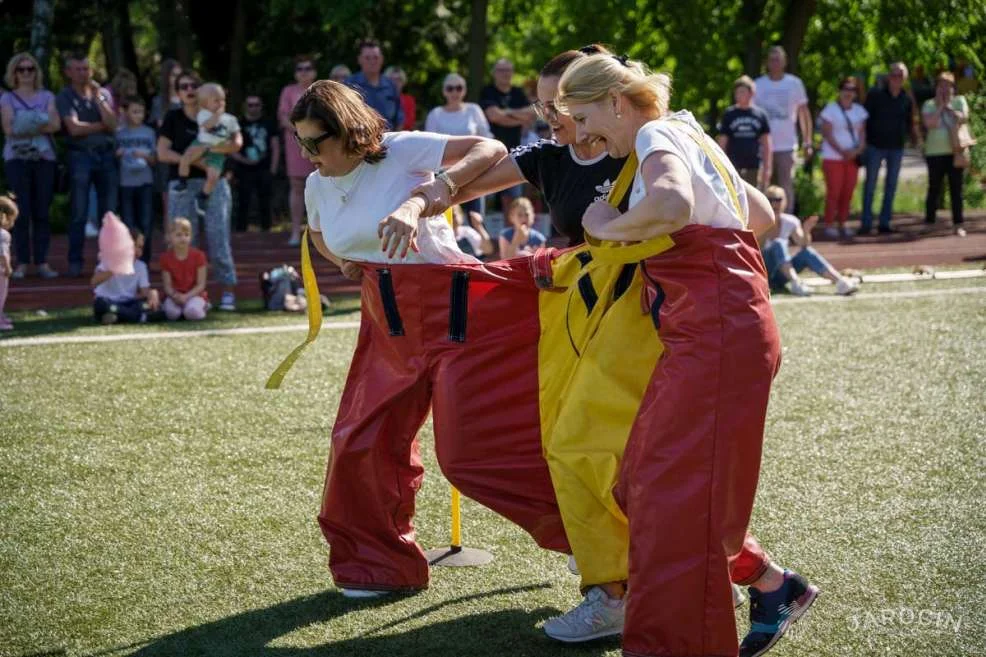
<point>458,556</point>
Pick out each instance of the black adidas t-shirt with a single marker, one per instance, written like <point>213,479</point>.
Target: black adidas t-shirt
<point>569,186</point>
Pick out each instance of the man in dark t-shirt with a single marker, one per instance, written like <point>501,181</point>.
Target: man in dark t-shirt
<point>744,133</point>
<point>891,119</point>
<point>256,163</point>
<point>508,110</point>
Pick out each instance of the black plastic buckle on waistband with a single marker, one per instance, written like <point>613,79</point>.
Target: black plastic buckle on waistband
<point>385,282</point>
<point>458,307</point>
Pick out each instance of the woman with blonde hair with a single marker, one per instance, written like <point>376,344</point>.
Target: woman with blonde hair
<point>687,478</point>
<point>29,120</point>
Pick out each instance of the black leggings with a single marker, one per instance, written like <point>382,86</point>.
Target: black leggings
<point>132,310</point>
<point>938,167</point>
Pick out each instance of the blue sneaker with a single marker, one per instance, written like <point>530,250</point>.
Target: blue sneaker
<point>771,614</point>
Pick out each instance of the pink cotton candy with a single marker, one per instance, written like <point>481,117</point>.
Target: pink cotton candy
<point>116,246</point>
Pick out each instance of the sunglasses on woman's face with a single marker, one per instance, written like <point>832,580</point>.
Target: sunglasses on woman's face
<point>775,199</point>
<point>850,89</point>
<point>25,69</point>
<point>310,144</point>
<point>454,87</point>
<point>187,86</point>
<point>304,68</point>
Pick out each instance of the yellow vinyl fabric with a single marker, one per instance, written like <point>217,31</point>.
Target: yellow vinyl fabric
<point>590,388</point>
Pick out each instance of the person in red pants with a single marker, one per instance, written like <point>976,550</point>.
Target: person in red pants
<point>690,468</point>
<point>431,335</point>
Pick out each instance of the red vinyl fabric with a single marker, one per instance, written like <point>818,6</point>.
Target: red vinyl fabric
<point>463,341</point>
<point>692,461</point>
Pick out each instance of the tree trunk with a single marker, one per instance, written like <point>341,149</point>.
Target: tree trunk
<point>129,52</point>
<point>112,40</point>
<point>477,48</point>
<point>237,50</point>
<point>44,13</point>
<point>751,23</point>
<point>796,18</point>
<point>183,34</point>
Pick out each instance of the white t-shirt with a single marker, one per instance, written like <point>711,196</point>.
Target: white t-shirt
<point>468,121</point>
<point>713,203</point>
<point>226,128</point>
<point>781,100</point>
<point>123,288</point>
<point>787,226</point>
<point>373,191</point>
<point>840,128</point>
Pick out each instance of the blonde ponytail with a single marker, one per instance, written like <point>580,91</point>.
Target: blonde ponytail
<point>590,79</point>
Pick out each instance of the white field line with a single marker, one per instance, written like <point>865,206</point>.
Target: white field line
<point>339,326</point>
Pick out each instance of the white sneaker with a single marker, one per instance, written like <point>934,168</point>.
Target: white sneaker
<point>846,286</point>
<point>738,597</point>
<point>362,594</point>
<point>831,233</point>
<point>572,566</point>
<point>596,616</point>
<point>960,231</point>
<point>846,232</point>
<point>227,302</point>
<point>92,231</point>
<point>799,289</point>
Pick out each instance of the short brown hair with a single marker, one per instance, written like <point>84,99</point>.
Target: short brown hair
<point>343,115</point>
<point>367,43</point>
<point>133,100</point>
<point>8,208</point>
<point>301,59</point>
<point>745,81</point>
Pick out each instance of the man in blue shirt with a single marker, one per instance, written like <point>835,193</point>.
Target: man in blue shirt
<point>378,91</point>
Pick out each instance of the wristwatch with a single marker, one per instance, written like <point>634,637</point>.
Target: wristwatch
<point>444,177</point>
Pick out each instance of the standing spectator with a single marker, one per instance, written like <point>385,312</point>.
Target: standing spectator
<point>378,91</point>
<point>177,133</point>
<point>135,146</point>
<point>165,100</point>
<point>942,115</point>
<point>744,133</point>
<point>783,97</point>
<point>90,122</point>
<point>29,119</point>
<point>339,73</point>
<point>459,118</point>
<point>8,217</point>
<point>256,164</point>
<point>296,165</point>
<point>891,119</point>
<point>509,111</point>
<point>843,142</point>
<point>408,104</point>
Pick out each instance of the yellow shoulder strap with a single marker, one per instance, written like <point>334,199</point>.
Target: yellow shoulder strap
<point>613,253</point>
<point>720,167</point>
<point>314,315</point>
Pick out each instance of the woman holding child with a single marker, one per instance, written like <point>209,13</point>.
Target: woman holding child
<point>179,131</point>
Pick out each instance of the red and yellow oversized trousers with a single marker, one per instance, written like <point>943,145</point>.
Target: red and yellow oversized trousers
<point>690,468</point>
<point>461,340</point>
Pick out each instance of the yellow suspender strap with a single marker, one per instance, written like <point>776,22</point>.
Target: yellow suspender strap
<point>314,315</point>
<point>720,167</point>
<point>614,253</point>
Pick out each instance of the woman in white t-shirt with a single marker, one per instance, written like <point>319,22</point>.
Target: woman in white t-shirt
<point>690,467</point>
<point>843,141</point>
<point>432,338</point>
<point>460,118</point>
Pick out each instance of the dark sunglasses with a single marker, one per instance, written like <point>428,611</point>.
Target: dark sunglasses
<point>853,89</point>
<point>185,86</point>
<point>454,87</point>
<point>310,144</point>
<point>254,105</point>
<point>304,67</point>
<point>25,69</point>
<point>775,199</point>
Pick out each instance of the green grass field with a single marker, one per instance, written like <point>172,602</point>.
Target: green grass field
<point>157,501</point>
